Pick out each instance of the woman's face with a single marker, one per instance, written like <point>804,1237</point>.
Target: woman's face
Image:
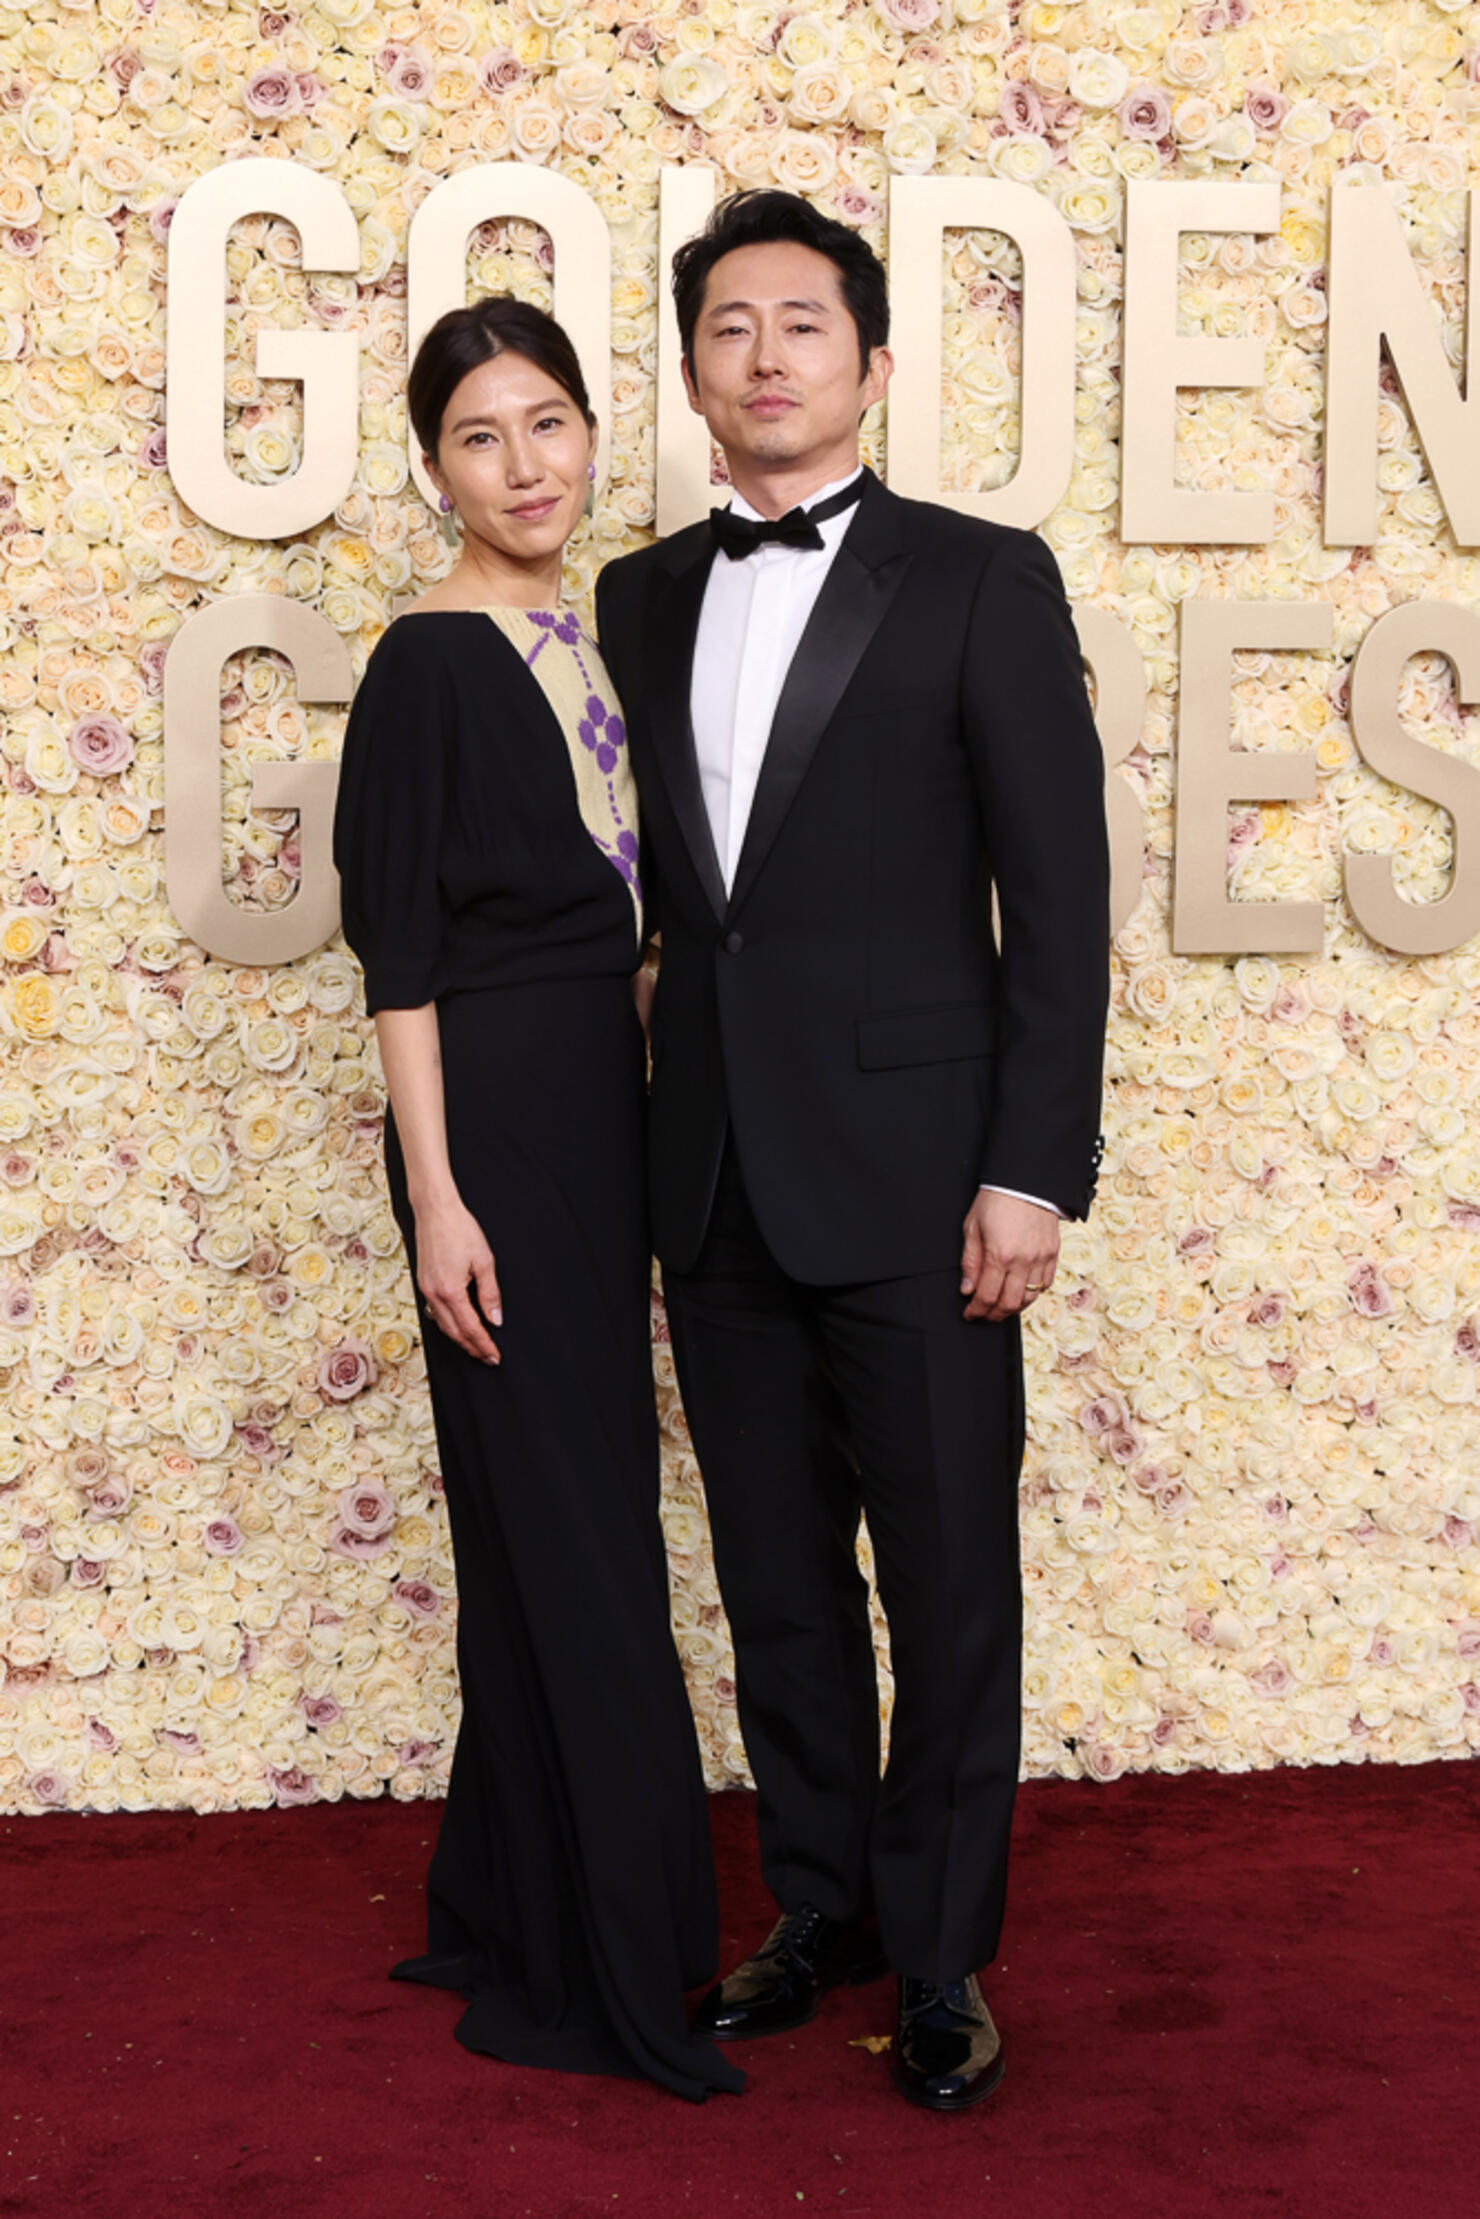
<point>513,458</point>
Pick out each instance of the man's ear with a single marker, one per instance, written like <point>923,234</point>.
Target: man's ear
<point>876,378</point>
<point>691,388</point>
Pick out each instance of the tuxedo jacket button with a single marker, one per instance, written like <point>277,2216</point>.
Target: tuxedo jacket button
<point>734,942</point>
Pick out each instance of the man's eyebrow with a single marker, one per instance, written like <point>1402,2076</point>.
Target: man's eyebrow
<point>730,307</point>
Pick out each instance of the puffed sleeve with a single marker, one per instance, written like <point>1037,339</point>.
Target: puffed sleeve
<point>389,819</point>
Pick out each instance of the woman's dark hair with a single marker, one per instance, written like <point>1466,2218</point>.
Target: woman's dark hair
<point>465,338</point>
<point>754,219</point>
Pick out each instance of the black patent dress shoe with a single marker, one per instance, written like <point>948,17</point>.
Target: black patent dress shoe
<point>948,2054</point>
<point>780,1986</point>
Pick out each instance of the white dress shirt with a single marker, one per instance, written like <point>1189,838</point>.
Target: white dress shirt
<point>752,619</point>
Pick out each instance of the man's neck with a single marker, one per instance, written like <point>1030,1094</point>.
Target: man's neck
<point>772,491</point>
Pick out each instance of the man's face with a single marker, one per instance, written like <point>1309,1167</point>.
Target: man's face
<point>776,370</point>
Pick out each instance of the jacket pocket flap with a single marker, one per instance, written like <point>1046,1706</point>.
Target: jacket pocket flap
<point>904,1036</point>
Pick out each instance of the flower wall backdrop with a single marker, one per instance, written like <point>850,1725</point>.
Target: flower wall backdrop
<point>1252,1494</point>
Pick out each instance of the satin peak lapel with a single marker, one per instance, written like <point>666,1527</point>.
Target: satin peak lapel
<point>865,576</point>
<point>680,596</point>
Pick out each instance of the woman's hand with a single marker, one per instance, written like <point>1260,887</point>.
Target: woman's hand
<point>451,1252</point>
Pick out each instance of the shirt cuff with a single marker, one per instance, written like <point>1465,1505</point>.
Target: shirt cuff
<point>1036,1199</point>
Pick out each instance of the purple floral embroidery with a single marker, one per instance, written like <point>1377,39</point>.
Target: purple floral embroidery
<point>601,731</point>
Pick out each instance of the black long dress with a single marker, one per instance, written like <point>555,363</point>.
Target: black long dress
<point>571,1893</point>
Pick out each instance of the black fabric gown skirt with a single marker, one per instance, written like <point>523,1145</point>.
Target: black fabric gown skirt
<point>571,1892</point>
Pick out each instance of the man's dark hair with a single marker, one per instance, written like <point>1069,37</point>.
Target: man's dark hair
<point>754,219</point>
<point>465,338</point>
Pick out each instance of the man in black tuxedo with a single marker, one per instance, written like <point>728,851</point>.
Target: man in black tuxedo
<point>852,717</point>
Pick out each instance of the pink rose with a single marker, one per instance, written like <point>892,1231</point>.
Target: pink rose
<point>1145,113</point>
<point>99,1736</point>
<point>367,1509</point>
<point>857,206</point>
<point>1370,1295</point>
<point>24,240</point>
<point>1100,1762</point>
<point>49,1787</point>
<point>1459,1533</point>
<point>1467,1641</point>
<point>272,93</point>
<point>1266,107</point>
<point>1273,1677</point>
<point>1469,1695</point>
<point>346,1371</point>
<point>502,68</point>
<point>319,1710</point>
<point>100,745</point>
<point>1122,1442</point>
<point>111,1496</point>
<point>408,72</point>
<point>1266,1310</point>
<point>415,1752</point>
<point>222,1537</point>
<point>161,216</point>
<point>420,1599</point>
<point>85,1573</point>
<point>1102,1415</point>
<point>357,1548</point>
<point>909,15</point>
<point>1020,108</point>
<point>292,1787</point>
<point>187,1743</point>
<point>17,1304</point>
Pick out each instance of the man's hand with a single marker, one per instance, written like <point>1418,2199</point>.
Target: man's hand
<point>1008,1256</point>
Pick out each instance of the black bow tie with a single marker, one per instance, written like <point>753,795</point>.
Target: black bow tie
<point>741,535</point>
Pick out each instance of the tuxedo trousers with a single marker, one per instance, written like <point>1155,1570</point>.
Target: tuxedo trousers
<point>808,1407</point>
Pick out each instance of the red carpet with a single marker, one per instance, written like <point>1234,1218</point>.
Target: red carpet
<point>1242,1995</point>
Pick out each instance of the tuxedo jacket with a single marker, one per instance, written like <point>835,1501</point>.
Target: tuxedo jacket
<point>844,1011</point>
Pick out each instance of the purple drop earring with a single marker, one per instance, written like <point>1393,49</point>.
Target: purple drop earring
<point>449,528</point>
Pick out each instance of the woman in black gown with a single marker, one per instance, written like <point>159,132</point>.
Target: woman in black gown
<point>485,836</point>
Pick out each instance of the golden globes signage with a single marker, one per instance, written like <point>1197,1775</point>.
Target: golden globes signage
<point>1376,300</point>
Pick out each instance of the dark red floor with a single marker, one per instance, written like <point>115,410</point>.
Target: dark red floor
<point>1241,1994</point>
